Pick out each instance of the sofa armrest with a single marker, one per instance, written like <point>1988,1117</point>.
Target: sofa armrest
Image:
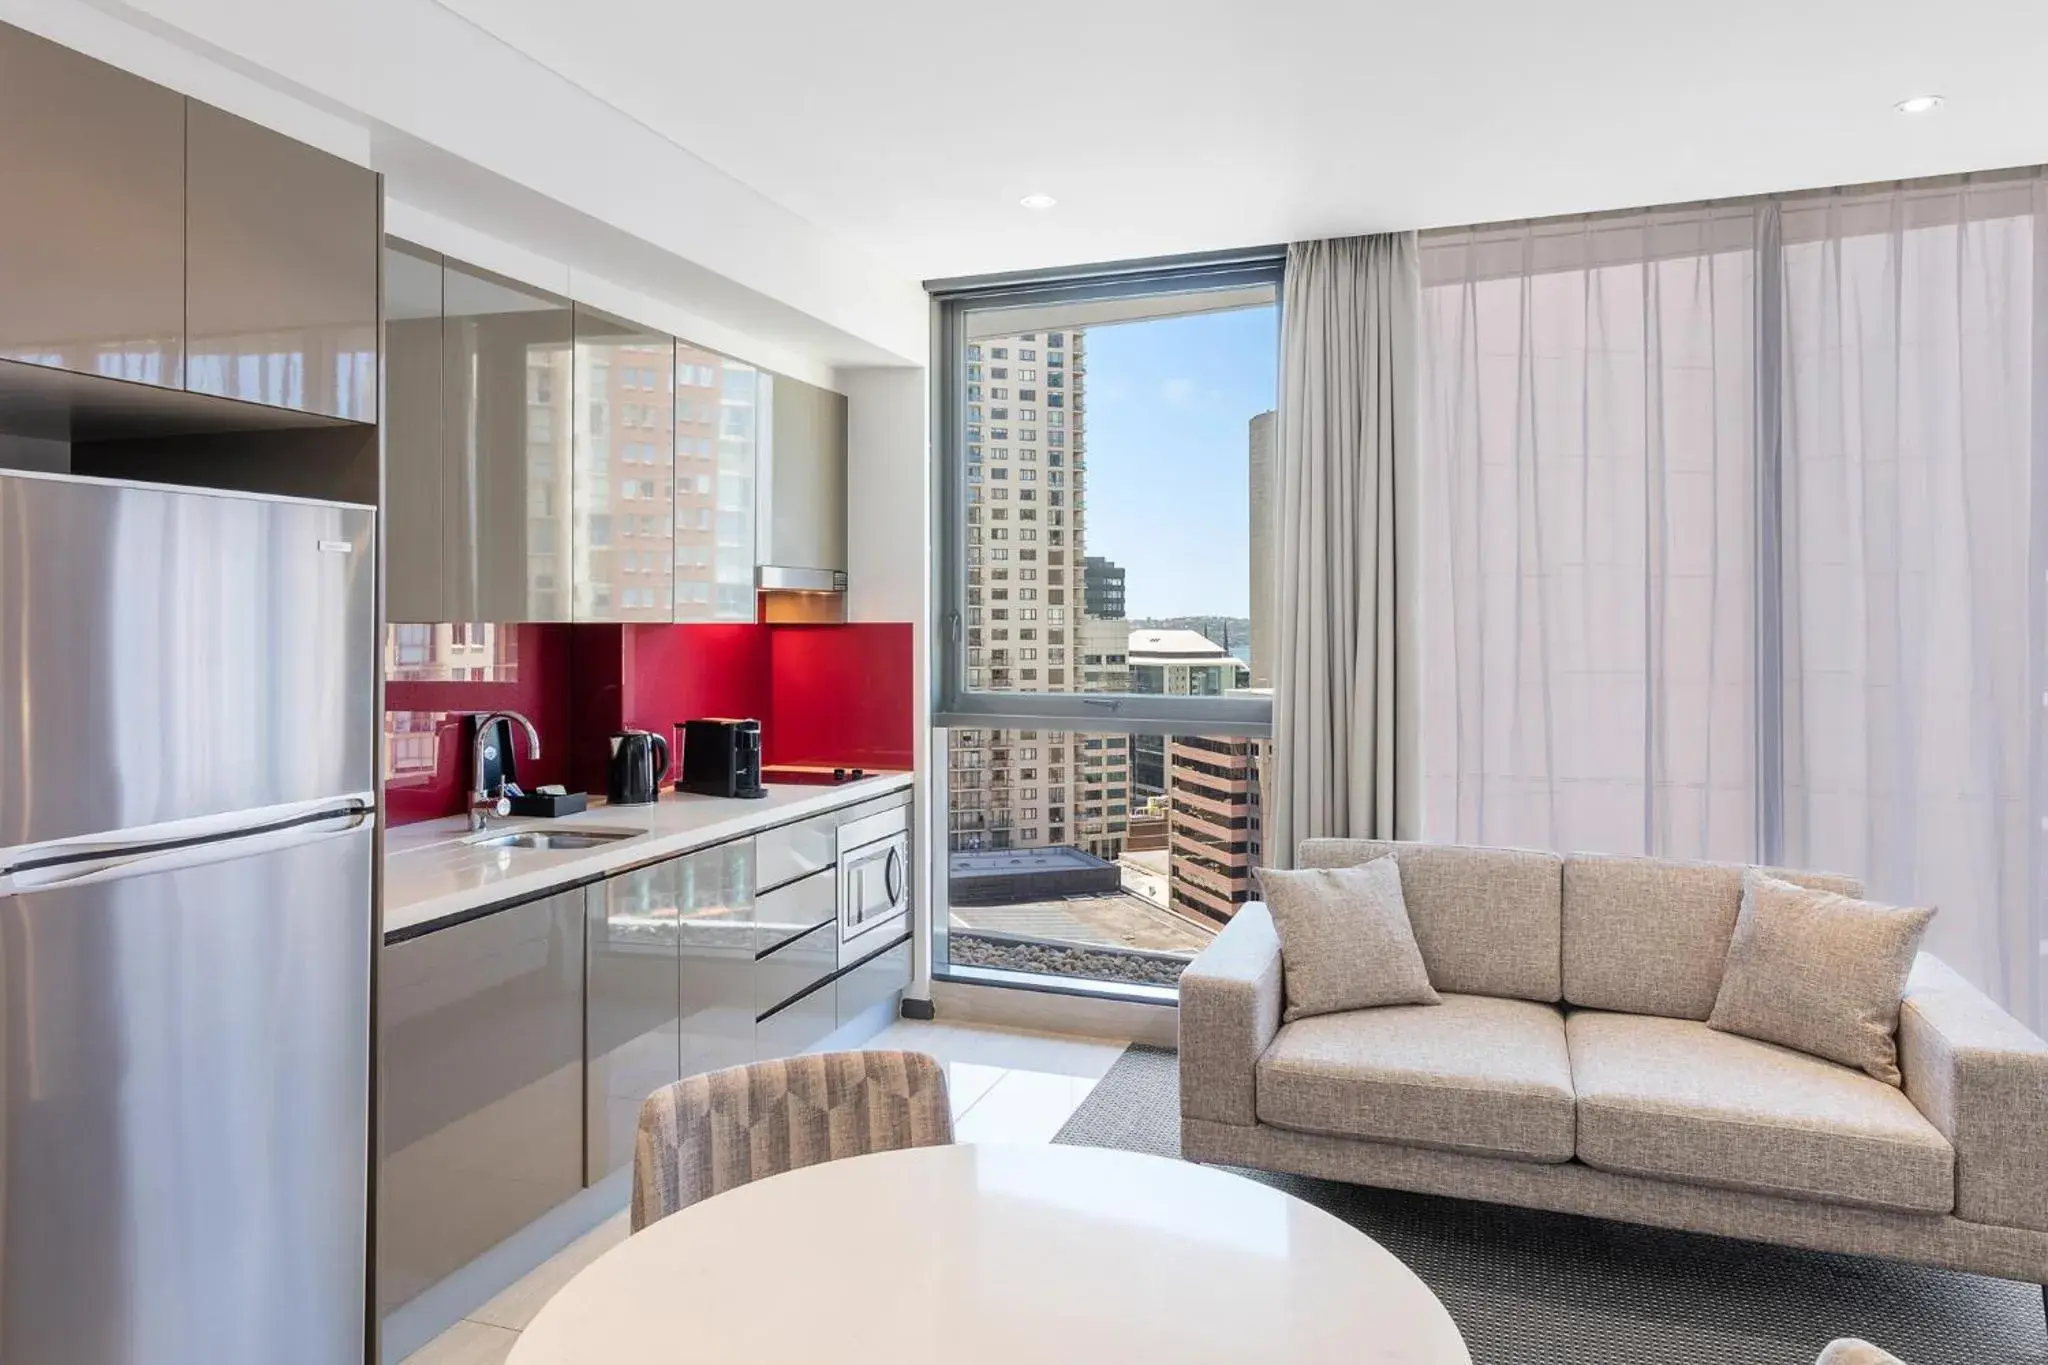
<point>1981,1078</point>
<point>1229,1012</point>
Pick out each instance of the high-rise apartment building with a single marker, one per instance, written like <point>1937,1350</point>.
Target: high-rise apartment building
<point>1026,456</point>
<point>1102,789</point>
<point>1103,588</point>
<point>1265,501</point>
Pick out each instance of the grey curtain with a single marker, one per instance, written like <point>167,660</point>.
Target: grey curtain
<point>1346,686</point>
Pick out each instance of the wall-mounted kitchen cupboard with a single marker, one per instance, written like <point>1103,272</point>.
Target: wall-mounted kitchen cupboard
<point>92,243</point>
<point>718,427</point>
<point>156,239</point>
<point>281,249</point>
<point>802,479</point>
<point>548,461</point>
<point>416,483</point>
<point>478,444</point>
<point>623,464</point>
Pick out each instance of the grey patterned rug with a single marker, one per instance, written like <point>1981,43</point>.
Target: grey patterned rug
<point>1528,1288</point>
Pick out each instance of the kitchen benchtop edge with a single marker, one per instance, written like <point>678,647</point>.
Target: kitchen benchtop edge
<point>429,875</point>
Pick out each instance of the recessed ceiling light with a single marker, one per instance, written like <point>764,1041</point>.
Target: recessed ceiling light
<point>1038,201</point>
<point>1919,104</point>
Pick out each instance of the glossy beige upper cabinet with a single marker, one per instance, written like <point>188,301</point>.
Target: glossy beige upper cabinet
<point>624,469</point>
<point>717,435</point>
<point>415,480</point>
<point>92,233</point>
<point>281,247</point>
<point>508,354</point>
<point>802,515</point>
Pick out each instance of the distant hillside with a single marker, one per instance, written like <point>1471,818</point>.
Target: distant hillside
<point>1234,633</point>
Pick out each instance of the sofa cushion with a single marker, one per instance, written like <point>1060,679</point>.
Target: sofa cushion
<point>1345,940</point>
<point>1486,919</point>
<point>1676,1100</point>
<point>1472,1074</point>
<point>1650,936</point>
<point>1820,972</point>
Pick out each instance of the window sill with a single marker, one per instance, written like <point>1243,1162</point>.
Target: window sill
<point>1059,985</point>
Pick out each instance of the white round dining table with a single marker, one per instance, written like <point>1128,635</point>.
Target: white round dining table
<point>1000,1255</point>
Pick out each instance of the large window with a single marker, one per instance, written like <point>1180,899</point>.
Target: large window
<point>1105,588</point>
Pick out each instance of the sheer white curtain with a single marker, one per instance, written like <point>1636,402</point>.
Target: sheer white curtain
<point>1589,522</point>
<point>1913,557</point>
<point>1735,548</point>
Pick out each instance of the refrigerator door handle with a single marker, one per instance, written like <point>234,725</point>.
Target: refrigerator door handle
<point>166,848</point>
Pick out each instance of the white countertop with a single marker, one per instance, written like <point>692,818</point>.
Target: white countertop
<point>431,874</point>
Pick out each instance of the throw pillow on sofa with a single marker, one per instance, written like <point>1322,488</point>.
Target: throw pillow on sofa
<point>1345,939</point>
<point>1820,972</point>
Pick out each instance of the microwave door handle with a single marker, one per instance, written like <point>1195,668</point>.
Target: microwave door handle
<point>892,876</point>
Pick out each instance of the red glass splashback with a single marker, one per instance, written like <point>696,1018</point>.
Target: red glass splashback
<point>435,676</point>
<point>831,694</point>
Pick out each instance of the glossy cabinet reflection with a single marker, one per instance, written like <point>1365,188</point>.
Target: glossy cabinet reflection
<point>633,1021</point>
<point>507,377</point>
<point>624,470</point>
<point>416,484</point>
<point>717,432</point>
<point>281,247</point>
<point>482,1122</point>
<point>92,241</point>
<point>717,977</point>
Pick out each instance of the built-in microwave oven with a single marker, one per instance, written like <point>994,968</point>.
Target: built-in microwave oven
<point>874,882</point>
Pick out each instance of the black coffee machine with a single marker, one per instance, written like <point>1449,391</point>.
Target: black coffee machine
<point>721,758</point>
<point>638,767</point>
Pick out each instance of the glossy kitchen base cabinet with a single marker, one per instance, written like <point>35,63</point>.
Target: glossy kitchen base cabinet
<point>482,1120</point>
<point>633,1028</point>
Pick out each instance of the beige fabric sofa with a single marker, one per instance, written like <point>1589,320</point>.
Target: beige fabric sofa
<point>1570,1067</point>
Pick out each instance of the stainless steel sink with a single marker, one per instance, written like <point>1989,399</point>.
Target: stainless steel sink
<point>554,840</point>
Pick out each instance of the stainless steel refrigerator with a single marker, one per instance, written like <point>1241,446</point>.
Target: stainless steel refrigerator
<point>187,694</point>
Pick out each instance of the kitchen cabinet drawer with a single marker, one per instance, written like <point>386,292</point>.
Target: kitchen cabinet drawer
<point>876,979</point>
<point>795,908</point>
<point>481,1033</point>
<point>281,256</point>
<point>797,850</point>
<point>625,470</point>
<point>633,1010</point>
<point>802,1025</point>
<point>716,925</point>
<point>92,246</point>
<point>795,967</point>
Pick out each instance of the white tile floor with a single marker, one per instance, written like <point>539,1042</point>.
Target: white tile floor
<point>1005,1085</point>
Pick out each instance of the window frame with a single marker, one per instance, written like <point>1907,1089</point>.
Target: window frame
<point>955,705</point>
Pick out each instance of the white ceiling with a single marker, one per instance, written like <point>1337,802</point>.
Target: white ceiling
<point>1176,125</point>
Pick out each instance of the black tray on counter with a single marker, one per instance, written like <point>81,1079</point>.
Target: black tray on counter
<point>550,807</point>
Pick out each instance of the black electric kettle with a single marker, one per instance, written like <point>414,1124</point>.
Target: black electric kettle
<point>639,763</point>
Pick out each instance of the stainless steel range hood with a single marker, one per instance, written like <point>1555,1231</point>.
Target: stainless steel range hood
<point>801,500</point>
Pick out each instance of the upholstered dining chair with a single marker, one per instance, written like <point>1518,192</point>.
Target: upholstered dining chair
<point>706,1134</point>
<point>1854,1351</point>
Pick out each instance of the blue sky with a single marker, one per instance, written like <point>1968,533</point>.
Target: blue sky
<point>1170,403</point>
